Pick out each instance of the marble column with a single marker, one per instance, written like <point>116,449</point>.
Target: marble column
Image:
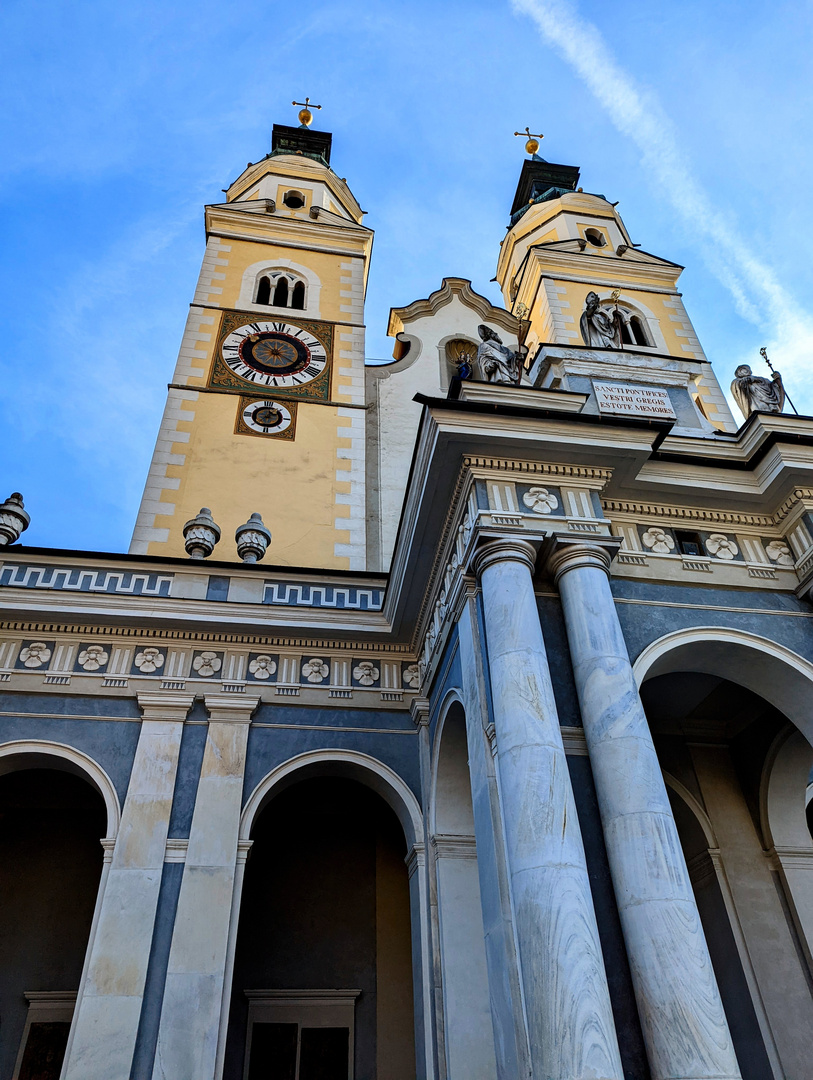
<point>104,1031</point>
<point>567,1003</point>
<point>681,1011</point>
<point>502,960</point>
<point>198,958</point>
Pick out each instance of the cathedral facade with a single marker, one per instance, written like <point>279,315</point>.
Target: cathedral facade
<point>447,719</point>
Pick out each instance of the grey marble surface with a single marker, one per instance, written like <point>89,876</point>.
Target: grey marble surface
<point>678,1001</point>
<point>570,1024</point>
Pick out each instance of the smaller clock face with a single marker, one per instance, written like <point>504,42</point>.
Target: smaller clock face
<point>267,417</point>
<point>274,354</point>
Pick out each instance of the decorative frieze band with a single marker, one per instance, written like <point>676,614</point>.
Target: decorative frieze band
<point>175,666</point>
<point>352,597</point>
<point>84,579</point>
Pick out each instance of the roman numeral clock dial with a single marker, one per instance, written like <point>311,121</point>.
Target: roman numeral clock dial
<point>274,354</point>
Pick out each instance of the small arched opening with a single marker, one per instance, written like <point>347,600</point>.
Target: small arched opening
<point>281,292</point>
<point>263,291</point>
<point>53,815</point>
<point>466,1024</point>
<point>298,296</point>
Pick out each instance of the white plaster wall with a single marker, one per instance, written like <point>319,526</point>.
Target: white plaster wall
<point>397,416</point>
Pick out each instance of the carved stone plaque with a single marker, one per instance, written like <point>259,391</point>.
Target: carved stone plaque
<point>650,401</point>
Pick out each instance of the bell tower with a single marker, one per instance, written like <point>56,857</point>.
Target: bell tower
<point>563,244</point>
<point>265,410</point>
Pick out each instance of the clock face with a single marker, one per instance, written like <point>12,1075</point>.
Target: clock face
<point>267,417</point>
<point>274,354</point>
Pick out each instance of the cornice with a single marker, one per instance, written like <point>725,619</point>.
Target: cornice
<point>569,472</point>
<point>295,167</point>
<point>203,637</point>
<point>687,513</point>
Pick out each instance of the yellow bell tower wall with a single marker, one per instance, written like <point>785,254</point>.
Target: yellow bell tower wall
<point>266,412</point>
<point>558,250</point>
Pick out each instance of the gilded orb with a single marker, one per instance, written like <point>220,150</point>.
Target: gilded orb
<point>531,146</point>
<point>305,117</point>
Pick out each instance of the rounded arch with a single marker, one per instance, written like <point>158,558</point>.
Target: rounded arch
<point>251,281</point>
<point>779,675</point>
<point>694,806</point>
<point>369,771</point>
<point>39,753</point>
<point>783,791</point>
<point>648,317</point>
<point>462,788</point>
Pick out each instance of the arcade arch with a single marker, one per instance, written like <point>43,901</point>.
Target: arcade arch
<point>327,919</point>
<point>727,710</point>
<point>465,1023</point>
<point>56,804</point>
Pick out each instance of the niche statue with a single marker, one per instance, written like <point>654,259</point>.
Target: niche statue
<point>495,361</point>
<point>753,393</point>
<point>599,330</point>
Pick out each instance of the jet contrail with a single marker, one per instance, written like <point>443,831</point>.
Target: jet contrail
<point>758,295</point>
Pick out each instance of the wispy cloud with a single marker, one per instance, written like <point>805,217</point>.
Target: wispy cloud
<point>636,112</point>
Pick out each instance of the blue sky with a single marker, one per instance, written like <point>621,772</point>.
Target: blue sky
<point>122,120</point>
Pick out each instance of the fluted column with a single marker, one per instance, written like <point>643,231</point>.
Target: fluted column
<point>198,958</point>
<point>570,1023</point>
<point>681,1011</point>
<point>109,1006</point>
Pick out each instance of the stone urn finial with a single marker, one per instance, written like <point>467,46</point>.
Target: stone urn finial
<point>13,519</point>
<point>201,534</point>
<point>252,539</point>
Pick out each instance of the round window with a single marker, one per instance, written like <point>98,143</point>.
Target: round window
<point>595,237</point>
<point>294,200</point>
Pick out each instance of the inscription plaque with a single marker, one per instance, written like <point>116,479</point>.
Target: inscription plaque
<point>649,401</point>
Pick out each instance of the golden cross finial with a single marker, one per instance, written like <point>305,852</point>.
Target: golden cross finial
<point>532,145</point>
<point>305,115</point>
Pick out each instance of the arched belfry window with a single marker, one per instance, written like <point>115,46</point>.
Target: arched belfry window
<point>281,292</point>
<point>632,326</point>
<point>264,291</point>
<point>281,288</point>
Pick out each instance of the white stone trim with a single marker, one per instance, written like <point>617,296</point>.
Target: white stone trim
<point>207,292</point>
<point>94,773</point>
<point>684,328</point>
<point>368,770</point>
<point>253,273</point>
<point>193,353</point>
<point>776,673</point>
<point>154,501</point>
<point>351,469</point>
<point>561,333</point>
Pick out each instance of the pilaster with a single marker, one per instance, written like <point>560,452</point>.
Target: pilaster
<point>194,992</point>
<point>108,1011</point>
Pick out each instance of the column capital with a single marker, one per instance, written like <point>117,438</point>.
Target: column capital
<point>235,711</point>
<point>161,705</point>
<point>569,554</point>
<point>504,549</point>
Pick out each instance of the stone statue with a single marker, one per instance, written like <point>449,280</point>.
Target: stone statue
<point>496,362</point>
<point>753,393</point>
<point>599,329</point>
